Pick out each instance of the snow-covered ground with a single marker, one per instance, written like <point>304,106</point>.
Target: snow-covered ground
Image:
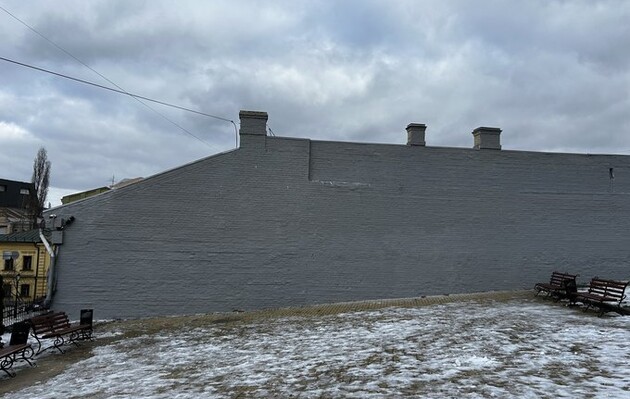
<point>515,349</point>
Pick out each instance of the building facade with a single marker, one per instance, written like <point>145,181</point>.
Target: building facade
<point>290,222</point>
<point>25,262</point>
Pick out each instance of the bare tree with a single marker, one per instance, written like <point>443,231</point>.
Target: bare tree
<point>40,180</point>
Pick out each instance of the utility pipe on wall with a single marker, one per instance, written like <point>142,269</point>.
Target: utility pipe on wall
<point>50,283</point>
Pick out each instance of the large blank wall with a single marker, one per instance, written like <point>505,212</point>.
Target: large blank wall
<point>286,222</point>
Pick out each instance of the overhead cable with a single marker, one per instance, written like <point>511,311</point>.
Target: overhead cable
<point>119,91</point>
<point>108,80</point>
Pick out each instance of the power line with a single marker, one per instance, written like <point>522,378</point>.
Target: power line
<point>122,92</point>
<point>59,47</point>
<point>137,98</point>
<point>114,90</point>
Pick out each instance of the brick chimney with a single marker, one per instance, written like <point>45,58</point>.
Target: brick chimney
<point>487,138</point>
<point>415,134</point>
<point>253,128</point>
<point>253,122</point>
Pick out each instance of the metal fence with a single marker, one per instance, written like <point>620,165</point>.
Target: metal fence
<point>15,311</point>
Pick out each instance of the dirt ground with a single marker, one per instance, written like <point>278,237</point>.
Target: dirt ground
<point>52,364</point>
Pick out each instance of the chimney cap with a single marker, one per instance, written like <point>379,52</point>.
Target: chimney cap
<point>253,114</point>
<point>488,130</point>
<point>412,125</point>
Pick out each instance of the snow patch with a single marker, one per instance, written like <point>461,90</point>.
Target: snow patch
<point>517,349</point>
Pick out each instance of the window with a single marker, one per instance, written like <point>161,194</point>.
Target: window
<point>8,264</point>
<point>4,230</point>
<point>27,263</point>
<point>24,191</point>
<point>3,188</point>
<point>6,288</point>
<point>25,290</point>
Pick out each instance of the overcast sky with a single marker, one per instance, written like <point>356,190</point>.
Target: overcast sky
<point>554,75</point>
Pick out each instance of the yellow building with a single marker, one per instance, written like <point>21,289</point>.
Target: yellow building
<point>25,262</point>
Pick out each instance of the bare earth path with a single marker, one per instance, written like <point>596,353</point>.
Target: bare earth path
<point>478,345</point>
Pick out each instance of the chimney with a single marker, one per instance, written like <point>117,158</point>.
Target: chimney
<point>415,134</point>
<point>487,138</point>
<point>253,132</point>
<point>253,123</point>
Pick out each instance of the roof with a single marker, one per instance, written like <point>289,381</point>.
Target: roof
<point>14,214</point>
<point>95,191</point>
<point>24,236</point>
<point>66,199</point>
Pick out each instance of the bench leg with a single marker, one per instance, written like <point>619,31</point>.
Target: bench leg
<point>59,342</point>
<point>87,334</point>
<point>39,344</point>
<point>74,337</point>
<point>27,355</point>
<point>5,364</point>
<point>82,335</point>
<point>601,310</point>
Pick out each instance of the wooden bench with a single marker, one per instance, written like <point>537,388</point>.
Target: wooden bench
<point>56,325</point>
<point>18,349</point>
<point>561,285</point>
<point>606,295</point>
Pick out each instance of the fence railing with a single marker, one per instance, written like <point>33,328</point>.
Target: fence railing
<point>13,312</point>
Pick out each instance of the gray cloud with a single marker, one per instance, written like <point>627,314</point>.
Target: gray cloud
<point>552,74</point>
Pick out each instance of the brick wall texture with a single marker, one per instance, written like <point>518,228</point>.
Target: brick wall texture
<point>290,222</point>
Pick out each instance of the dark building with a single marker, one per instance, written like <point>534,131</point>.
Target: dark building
<point>15,194</point>
<point>15,197</point>
<point>287,222</point>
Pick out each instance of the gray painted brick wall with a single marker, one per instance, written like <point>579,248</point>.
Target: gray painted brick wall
<point>285,222</point>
